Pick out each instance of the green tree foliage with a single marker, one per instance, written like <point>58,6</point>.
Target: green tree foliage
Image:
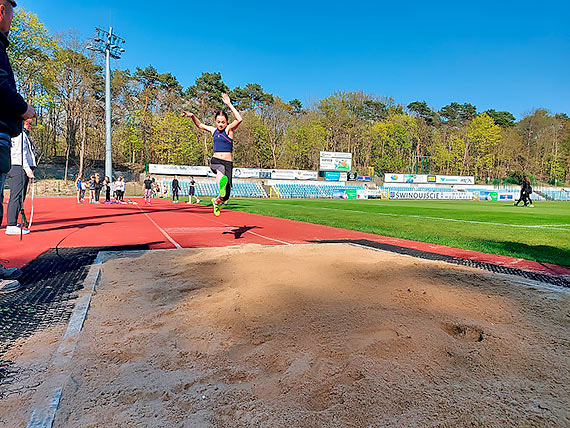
<point>456,114</point>
<point>484,136</point>
<point>502,118</point>
<point>421,109</point>
<point>31,46</point>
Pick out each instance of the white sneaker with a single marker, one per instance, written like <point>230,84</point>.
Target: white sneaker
<point>9,286</point>
<point>15,230</point>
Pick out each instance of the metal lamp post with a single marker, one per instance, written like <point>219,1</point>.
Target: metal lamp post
<point>109,44</point>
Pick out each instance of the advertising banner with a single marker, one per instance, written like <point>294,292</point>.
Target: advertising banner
<point>430,195</point>
<point>364,178</point>
<point>345,194</point>
<point>332,176</point>
<point>335,161</point>
<point>393,178</point>
<point>293,174</point>
<point>307,175</point>
<point>350,193</point>
<point>454,179</point>
<point>496,196</point>
<point>425,179</point>
<point>351,176</point>
<point>178,170</point>
<point>246,172</point>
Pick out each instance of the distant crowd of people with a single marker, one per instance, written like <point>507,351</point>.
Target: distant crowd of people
<point>95,185</point>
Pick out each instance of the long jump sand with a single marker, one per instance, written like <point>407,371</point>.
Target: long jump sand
<point>313,336</point>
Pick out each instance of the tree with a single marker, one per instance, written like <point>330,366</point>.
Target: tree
<point>458,114</point>
<point>421,109</point>
<point>483,136</point>
<point>296,106</point>
<point>502,118</point>
<point>251,97</point>
<point>30,48</point>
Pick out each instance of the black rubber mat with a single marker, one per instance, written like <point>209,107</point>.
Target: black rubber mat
<point>50,285</point>
<point>540,277</point>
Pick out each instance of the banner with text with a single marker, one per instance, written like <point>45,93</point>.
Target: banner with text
<point>397,194</point>
<point>335,161</point>
<point>179,170</point>
<point>454,179</point>
<point>293,174</point>
<point>427,179</point>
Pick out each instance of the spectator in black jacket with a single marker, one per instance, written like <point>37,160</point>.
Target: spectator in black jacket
<point>526,190</point>
<point>13,109</point>
<point>175,190</point>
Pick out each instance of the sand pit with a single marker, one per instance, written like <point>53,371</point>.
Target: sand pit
<point>316,336</point>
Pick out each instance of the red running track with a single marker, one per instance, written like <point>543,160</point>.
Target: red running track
<point>62,222</point>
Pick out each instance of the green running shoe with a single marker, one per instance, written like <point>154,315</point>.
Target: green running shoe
<point>223,186</point>
<point>216,207</point>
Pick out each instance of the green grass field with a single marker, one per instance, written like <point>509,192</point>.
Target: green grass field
<point>541,233</point>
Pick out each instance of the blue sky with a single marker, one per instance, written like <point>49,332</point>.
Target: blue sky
<point>506,55</point>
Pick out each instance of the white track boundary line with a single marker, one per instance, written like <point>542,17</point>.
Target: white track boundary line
<point>249,231</point>
<point>166,235</point>
<point>526,226</point>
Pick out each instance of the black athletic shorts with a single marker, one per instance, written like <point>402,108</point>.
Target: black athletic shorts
<point>226,168</point>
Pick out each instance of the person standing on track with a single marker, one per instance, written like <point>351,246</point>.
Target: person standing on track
<point>222,160</point>
<point>92,189</point>
<point>98,186</point>
<point>192,191</point>
<point>19,177</point>
<point>121,188</point>
<point>107,187</point>
<point>13,109</point>
<point>175,189</point>
<point>78,181</point>
<point>147,189</point>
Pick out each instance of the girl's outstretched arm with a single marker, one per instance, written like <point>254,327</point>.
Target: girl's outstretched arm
<point>232,126</point>
<point>197,122</point>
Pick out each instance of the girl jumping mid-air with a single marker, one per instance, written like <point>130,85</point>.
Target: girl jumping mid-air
<point>222,161</point>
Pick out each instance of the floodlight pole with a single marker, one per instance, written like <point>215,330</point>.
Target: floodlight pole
<point>108,44</point>
<point>108,130</point>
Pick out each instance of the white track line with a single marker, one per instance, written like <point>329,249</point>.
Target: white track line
<point>526,226</point>
<point>249,231</point>
<point>167,236</point>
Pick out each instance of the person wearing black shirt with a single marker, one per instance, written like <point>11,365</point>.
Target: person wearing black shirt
<point>526,190</point>
<point>192,191</point>
<point>147,189</point>
<point>98,186</point>
<point>175,189</point>
<point>13,110</point>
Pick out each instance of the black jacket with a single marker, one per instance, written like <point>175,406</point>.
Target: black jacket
<point>12,105</point>
<point>526,188</point>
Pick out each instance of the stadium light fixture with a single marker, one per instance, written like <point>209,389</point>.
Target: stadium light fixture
<point>108,44</point>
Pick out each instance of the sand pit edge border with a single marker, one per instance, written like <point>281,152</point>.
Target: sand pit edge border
<point>43,415</point>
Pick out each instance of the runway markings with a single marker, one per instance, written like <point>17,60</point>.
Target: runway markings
<point>166,235</point>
